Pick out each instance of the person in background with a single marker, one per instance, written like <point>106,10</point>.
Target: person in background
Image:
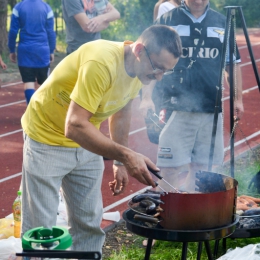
<point>166,6</point>
<point>85,19</point>
<point>34,21</point>
<point>185,140</point>
<point>3,66</point>
<point>63,146</point>
<point>156,9</point>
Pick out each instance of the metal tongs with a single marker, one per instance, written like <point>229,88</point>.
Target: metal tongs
<point>161,178</point>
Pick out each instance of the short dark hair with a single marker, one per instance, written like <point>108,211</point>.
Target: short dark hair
<point>158,37</point>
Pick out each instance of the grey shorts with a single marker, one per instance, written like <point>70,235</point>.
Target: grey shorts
<point>187,137</point>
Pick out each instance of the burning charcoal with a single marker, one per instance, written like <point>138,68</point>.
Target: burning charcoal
<point>249,223</point>
<point>209,182</point>
<point>257,221</point>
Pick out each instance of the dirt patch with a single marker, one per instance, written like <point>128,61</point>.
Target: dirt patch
<point>117,237</point>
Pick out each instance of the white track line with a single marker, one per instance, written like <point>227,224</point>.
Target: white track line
<point>245,46</point>
<point>11,84</point>
<point>248,63</point>
<point>243,92</point>
<point>10,133</point>
<point>10,177</point>
<point>14,103</point>
<point>243,140</point>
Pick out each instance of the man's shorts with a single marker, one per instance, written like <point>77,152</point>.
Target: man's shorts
<point>187,138</point>
<point>34,74</point>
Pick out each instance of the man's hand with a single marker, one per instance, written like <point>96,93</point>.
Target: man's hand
<point>137,168</point>
<point>12,57</point>
<point>52,57</point>
<point>97,24</point>
<point>117,186</point>
<point>3,65</point>
<point>139,171</point>
<point>239,110</point>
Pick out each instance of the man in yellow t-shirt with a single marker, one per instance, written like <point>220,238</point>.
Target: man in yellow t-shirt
<point>63,146</point>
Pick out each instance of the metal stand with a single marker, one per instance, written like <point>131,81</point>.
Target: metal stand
<point>230,37</point>
<point>231,12</point>
<point>27,254</point>
<point>183,236</point>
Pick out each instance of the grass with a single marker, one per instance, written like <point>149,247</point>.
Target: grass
<point>164,250</point>
<point>245,168</point>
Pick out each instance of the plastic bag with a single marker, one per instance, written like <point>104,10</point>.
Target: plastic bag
<point>6,228</point>
<point>62,216</point>
<point>249,252</point>
<point>9,247</point>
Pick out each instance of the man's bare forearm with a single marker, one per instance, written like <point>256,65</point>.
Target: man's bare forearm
<point>112,14</point>
<point>119,125</point>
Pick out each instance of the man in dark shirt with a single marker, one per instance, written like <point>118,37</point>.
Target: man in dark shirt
<point>186,138</point>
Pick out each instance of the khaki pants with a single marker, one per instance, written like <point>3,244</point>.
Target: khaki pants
<point>79,172</point>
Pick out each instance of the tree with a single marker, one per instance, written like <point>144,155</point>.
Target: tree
<point>136,15</point>
<point>3,21</point>
<point>12,3</point>
<point>250,10</point>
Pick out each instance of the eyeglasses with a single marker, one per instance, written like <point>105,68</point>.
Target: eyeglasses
<point>155,70</point>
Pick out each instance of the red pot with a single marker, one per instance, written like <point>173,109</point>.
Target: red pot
<point>197,211</point>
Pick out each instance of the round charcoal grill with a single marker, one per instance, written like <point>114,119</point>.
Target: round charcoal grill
<point>159,233</point>
<point>240,233</point>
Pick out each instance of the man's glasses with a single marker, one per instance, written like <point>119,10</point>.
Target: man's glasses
<point>155,70</point>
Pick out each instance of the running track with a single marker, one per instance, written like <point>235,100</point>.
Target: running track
<point>12,106</point>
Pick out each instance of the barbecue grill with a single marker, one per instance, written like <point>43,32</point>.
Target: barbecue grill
<point>185,236</point>
<point>239,233</point>
<point>208,213</point>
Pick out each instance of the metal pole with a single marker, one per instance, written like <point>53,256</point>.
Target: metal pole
<point>219,90</point>
<point>231,49</point>
<point>214,129</point>
<point>231,83</point>
<point>249,46</point>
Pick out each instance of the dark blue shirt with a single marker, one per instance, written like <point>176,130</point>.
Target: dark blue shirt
<point>194,89</point>
<point>34,21</point>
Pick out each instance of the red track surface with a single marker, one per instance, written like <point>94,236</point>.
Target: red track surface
<point>11,143</point>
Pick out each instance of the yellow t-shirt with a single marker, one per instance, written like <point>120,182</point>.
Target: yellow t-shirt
<point>94,77</point>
